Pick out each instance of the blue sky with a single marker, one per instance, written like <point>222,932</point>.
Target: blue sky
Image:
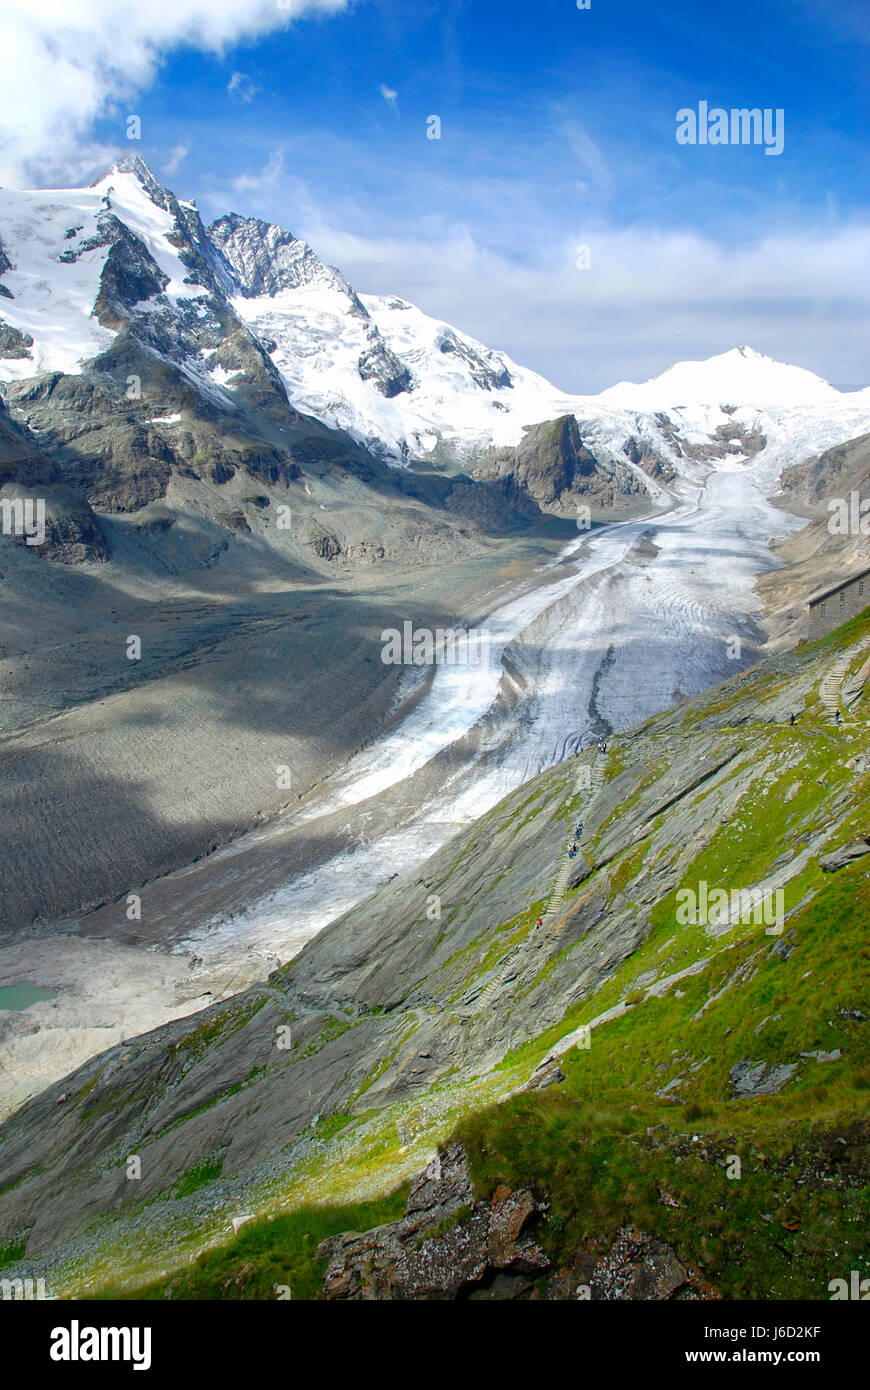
<point>574,110</point>
<point>557,130</point>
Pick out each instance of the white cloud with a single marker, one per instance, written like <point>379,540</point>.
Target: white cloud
<point>174,159</point>
<point>389,96</point>
<point>268,177</point>
<point>63,63</point>
<point>241,86</point>
<point>593,174</point>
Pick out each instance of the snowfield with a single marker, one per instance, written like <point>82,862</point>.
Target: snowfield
<point>51,300</point>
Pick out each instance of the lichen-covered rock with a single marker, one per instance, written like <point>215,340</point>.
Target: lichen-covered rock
<point>417,1258</point>
<point>449,1246</point>
<point>637,1266</point>
<point>324,546</point>
<point>759,1078</point>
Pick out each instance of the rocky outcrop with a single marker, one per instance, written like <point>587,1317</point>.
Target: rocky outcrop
<point>733,439</point>
<point>841,858</point>
<point>641,452</point>
<point>14,344</point>
<point>445,1247</point>
<point>70,532</point>
<point>129,275</point>
<point>18,446</point>
<point>819,555</point>
<point>831,474</point>
<point>325,546</point>
<point>5,264</point>
<point>94,439</point>
<point>380,366</point>
<point>73,535</point>
<point>760,1078</point>
<point>486,370</point>
<point>448,1246</point>
<point>553,469</point>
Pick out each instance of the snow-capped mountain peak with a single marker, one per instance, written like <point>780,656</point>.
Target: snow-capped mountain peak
<point>77,263</point>
<point>739,377</point>
<point>135,165</point>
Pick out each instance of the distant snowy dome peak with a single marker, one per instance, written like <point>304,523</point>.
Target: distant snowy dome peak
<point>739,377</point>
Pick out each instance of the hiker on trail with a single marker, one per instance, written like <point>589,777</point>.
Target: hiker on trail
<point>836,716</point>
<point>539,923</point>
<point>579,830</point>
<point>791,719</point>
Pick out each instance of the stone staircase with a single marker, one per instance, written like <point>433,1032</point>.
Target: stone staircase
<point>509,970</point>
<point>829,690</point>
<point>558,892</point>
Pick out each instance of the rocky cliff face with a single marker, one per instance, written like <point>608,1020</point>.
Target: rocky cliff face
<point>264,259</point>
<point>555,470</point>
<point>829,475</point>
<point>18,446</point>
<point>446,1246</point>
<point>826,550</point>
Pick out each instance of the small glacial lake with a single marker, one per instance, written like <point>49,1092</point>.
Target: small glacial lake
<point>20,997</point>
